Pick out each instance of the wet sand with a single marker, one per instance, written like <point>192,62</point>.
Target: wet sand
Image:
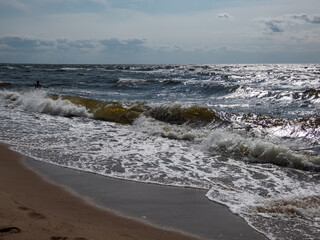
<point>170,208</point>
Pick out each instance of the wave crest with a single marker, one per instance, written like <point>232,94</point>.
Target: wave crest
<point>259,151</point>
<point>126,113</point>
<point>178,114</point>
<point>37,101</point>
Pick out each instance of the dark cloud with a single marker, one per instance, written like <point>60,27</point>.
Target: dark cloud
<point>81,44</point>
<point>281,23</point>
<point>65,50</point>
<point>114,50</point>
<point>25,44</point>
<point>115,45</point>
<point>314,19</point>
<point>273,26</point>
<point>285,22</point>
<point>78,45</point>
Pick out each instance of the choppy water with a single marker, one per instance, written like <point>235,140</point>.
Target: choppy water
<point>249,134</point>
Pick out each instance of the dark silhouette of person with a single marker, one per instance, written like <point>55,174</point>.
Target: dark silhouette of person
<point>38,85</point>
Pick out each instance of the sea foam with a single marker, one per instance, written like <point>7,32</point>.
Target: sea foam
<point>259,150</point>
<point>38,101</point>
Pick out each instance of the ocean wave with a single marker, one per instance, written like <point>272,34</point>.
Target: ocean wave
<point>131,67</point>
<point>177,132</point>
<point>37,101</point>
<point>257,150</point>
<point>9,67</point>
<point>211,87</point>
<point>179,114</point>
<point>71,69</point>
<point>171,82</point>
<point>127,112</point>
<point>106,111</point>
<point>118,112</point>
<point>243,92</point>
<point>131,80</point>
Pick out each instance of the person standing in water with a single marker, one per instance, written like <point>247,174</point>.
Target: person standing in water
<point>38,85</point>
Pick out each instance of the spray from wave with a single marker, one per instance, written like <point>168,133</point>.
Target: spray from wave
<point>257,150</point>
<point>37,101</point>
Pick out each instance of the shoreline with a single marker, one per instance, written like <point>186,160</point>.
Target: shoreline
<point>162,211</point>
<point>33,208</point>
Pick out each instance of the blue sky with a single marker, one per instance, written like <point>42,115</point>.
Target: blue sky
<point>166,31</point>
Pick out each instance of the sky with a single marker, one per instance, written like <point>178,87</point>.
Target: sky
<point>159,31</point>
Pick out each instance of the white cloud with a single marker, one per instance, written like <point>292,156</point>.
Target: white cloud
<point>224,16</point>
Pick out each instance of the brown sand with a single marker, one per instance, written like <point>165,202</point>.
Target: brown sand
<point>32,208</point>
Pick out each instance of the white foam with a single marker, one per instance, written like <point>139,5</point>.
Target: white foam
<point>179,132</point>
<point>258,150</point>
<point>72,69</point>
<point>131,80</point>
<point>139,153</point>
<point>37,101</point>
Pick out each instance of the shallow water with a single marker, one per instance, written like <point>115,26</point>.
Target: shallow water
<point>248,134</point>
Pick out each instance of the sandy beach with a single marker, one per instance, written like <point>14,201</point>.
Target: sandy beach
<point>31,208</point>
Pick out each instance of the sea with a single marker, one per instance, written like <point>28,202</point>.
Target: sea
<point>247,134</point>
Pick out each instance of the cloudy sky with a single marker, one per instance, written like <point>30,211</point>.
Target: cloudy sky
<point>154,31</point>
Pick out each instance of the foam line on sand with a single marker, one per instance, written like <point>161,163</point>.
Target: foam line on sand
<point>183,209</point>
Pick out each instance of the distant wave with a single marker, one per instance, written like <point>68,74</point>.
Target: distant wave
<point>71,69</point>
<point>131,80</point>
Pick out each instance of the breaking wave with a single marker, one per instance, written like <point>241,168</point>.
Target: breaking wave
<point>127,112</point>
<point>37,101</point>
<point>176,121</point>
<point>257,150</point>
<point>118,112</point>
